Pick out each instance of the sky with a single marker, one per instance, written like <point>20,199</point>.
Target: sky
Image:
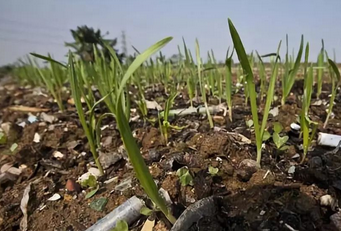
<point>43,26</point>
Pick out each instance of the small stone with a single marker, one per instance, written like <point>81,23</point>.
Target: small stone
<point>154,155</point>
<point>72,186</point>
<point>219,120</point>
<point>99,204</point>
<point>336,220</point>
<point>47,118</point>
<point>109,159</point>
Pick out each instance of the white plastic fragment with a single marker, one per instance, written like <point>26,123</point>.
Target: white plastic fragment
<point>36,138</point>
<point>58,155</point>
<point>295,156</point>
<point>32,118</point>
<point>148,225</point>
<point>23,207</point>
<point>274,111</point>
<point>292,169</point>
<point>22,124</point>
<point>326,139</point>
<point>55,197</point>
<point>91,171</point>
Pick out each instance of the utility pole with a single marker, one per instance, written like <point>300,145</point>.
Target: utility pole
<point>124,44</point>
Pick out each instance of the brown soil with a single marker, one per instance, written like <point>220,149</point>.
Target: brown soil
<point>251,199</point>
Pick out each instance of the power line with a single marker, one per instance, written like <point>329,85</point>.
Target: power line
<point>20,32</point>
<point>30,41</point>
<point>33,25</point>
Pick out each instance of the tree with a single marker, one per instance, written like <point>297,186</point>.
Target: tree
<point>86,38</point>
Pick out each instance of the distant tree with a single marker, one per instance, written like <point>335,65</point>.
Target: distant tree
<point>86,38</point>
<point>176,58</point>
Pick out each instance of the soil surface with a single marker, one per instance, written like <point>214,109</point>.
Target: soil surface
<point>281,195</point>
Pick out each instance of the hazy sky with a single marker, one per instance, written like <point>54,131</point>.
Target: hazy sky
<point>43,25</point>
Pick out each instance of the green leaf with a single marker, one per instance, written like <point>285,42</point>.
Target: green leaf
<point>90,182</point>
<point>249,123</point>
<point>13,147</point>
<point>92,192</point>
<point>135,157</point>
<point>279,141</point>
<point>121,225</point>
<point>185,176</point>
<point>278,127</point>
<point>146,211</point>
<point>335,69</point>
<point>213,171</point>
<point>47,58</point>
<point>266,135</point>
<point>3,138</point>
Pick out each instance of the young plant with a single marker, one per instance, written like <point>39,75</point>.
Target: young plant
<point>184,176</point>
<point>165,125</point>
<point>201,83</point>
<point>213,171</point>
<point>305,122</point>
<point>278,139</point>
<point>54,79</point>
<point>335,79</point>
<point>77,85</point>
<point>244,61</point>
<point>320,70</point>
<point>135,157</point>
<point>228,82</point>
<point>289,76</point>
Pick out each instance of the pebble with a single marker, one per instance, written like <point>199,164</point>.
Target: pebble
<point>72,186</point>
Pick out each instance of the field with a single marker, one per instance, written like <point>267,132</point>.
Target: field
<point>242,135</point>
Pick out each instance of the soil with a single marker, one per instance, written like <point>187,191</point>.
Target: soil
<point>250,198</point>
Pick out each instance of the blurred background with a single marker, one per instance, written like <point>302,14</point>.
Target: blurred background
<point>44,26</point>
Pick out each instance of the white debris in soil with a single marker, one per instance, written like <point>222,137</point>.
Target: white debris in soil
<point>55,197</point>
<point>58,155</point>
<point>23,207</point>
<point>47,118</point>
<point>292,169</point>
<point>36,138</point>
<point>329,201</point>
<point>91,171</point>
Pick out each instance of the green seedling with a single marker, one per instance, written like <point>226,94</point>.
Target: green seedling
<point>201,82</point>
<point>146,211</point>
<point>121,225</point>
<point>279,140</point>
<point>164,124</point>
<point>305,121</point>
<point>228,82</point>
<point>3,138</point>
<point>135,157</point>
<point>184,176</point>
<point>320,70</point>
<point>245,63</point>
<point>91,182</point>
<point>289,76</point>
<point>335,79</point>
<point>213,171</point>
<point>54,79</point>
